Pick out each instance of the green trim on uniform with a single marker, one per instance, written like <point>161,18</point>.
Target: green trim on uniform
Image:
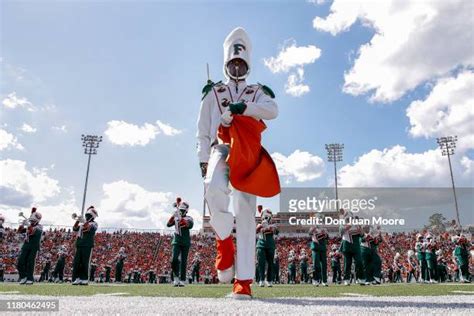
<point>208,87</point>
<point>267,91</point>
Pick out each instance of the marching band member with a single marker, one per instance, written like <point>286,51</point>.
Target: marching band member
<point>397,268</point>
<point>412,266</point>
<point>430,255</point>
<point>366,254</point>
<point>196,267</point>
<point>276,268</point>
<point>420,248</point>
<point>47,266</point>
<point>58,272</point>
<point>137,275</point>
<point>119,261</point>
<point>86,229</point>
<point>92,270</point>
<point>303,258</point>
<point>2,233</point>
<point>108,270</point>
<point>335,257</point>
<point>2,230</point>
<point>319,240</point>
<point>370,257</point>
<point>265,246</point>
<point>461,252</point>
<point>32,231</point>
<point>441,267</point>
<point>151,275</point>
<point>232,160</point>
<point>2,270</point>
<point>350,248</point>
<point>181,241</point>
<point>291,267</point>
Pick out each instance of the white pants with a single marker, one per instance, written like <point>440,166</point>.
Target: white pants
<point>218,197</point>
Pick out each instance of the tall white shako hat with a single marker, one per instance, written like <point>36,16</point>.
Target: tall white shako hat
<point>92,211</point>
<point>237,45</point>
<point>35,216</point>
<point>264,213</point>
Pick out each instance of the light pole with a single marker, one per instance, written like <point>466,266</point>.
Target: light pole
<point>90,144</point>
<point>447,145</point>
<point>335,155</point>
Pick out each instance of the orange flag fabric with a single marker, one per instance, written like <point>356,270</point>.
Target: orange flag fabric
<point>251,168</point>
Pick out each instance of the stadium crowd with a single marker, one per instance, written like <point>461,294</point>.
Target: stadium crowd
<point>151,251</point>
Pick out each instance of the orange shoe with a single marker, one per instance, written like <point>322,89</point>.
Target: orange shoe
<point>225,259</point>
<point>241,290</point>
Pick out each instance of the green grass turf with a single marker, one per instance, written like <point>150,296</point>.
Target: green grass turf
<point>215,291</point>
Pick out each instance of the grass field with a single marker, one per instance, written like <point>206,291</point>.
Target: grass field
<point>220,291</point>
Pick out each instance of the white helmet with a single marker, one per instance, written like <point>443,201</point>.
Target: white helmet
<point>35,217</point>
<point>183,207</point>
<point>237,45</point>
<point>266,214</point>
<point>92,211</point>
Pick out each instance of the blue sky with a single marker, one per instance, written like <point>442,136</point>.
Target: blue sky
<point>82,65</point>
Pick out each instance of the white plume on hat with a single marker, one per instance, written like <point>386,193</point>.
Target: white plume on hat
<point>237,45</point>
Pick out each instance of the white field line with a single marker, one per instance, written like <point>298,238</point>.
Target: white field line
<point>112,294</point>
<point>463,292</point>
<point>355,294</point>
<point>9,292</point>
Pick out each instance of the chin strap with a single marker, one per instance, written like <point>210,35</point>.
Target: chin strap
<point>237,79</point>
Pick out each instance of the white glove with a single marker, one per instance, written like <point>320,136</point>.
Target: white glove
<point>81,219</point>
<point>226,118</point>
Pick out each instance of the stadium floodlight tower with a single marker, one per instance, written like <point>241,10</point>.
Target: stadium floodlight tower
<point>447,145</point>
<point>335,156</point>
<point>90,144</point>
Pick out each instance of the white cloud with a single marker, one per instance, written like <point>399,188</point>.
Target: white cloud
<point>129,205</point>
<point>295,86</point>
<point>394,167</point>
<point>291,59</point>
<point>61,128</point>
<point>167,129</point>
<point>127,134</point>
<point>300,165</point>
<point>21,187</point>
<point>8,141</point>
<point>292,56</point>
<point>447,110</point>
<point>468,165</point>
<point>28,128</point>
<point>316,1</point>
<point>414,41</point>
<point>12,101</point>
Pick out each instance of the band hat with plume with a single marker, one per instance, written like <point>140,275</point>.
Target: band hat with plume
<point>264,212</point>
<point>183,206</point>
<point>237,45</point>
<point>35,217</point>
<point>92,211</point>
